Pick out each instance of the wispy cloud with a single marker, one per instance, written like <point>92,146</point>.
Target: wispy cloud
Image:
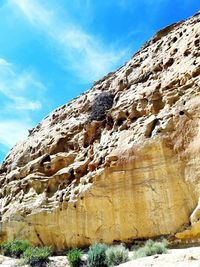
<point>19,93</point>
<point>20,88</point>
<point>11,131</point>
<point>82,52</point>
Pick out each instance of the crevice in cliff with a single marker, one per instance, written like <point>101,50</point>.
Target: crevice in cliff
<point>39,237</point>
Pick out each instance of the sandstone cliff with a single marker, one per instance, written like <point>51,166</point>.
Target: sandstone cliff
<point>121,161</point>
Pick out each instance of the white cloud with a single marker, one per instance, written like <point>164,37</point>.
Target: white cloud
<point>20,88</point>
<point>3,62</point>
<point>22,104</point>
<point>19,93</point>
<point>34,12</point>
<point>82,52</point>
<point>12,131</point>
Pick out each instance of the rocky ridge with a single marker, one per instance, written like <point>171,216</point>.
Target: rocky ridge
<point>121,161</point>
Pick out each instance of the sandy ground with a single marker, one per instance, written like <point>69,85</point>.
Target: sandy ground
<point>59,261</point>
<point>188,257</point>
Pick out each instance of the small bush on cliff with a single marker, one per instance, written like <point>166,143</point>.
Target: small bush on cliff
<point>116,255</point>
<point>151,248</point>
<point>101,104</point>
<point>14,248</point>
<point>74,257</point>
<point>37,256</point>
<point>97,255</point>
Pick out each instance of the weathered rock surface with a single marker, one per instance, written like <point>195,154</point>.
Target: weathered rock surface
<point>121,161</point>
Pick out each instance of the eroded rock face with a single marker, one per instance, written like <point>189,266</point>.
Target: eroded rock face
<point>131,171</point>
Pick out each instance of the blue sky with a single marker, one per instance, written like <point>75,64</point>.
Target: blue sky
<point>52,50</point>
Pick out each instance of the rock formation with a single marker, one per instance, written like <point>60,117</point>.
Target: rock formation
<point>121,161</point>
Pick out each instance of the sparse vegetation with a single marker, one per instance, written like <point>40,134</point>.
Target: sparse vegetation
<point>74,257</point>
<point>116,255</point>
<point>151,248</point>
<point>37,256</point>
<point>14,248</point>
<point>97,255</point>
<point>101,104</point>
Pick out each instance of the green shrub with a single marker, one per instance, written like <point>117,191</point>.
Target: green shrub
<point>74,257</point>
<point>37,256</point>
<point>14,248</point>
<point>151,248</point>
<point>116,255</point>
<point>97,255</point>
